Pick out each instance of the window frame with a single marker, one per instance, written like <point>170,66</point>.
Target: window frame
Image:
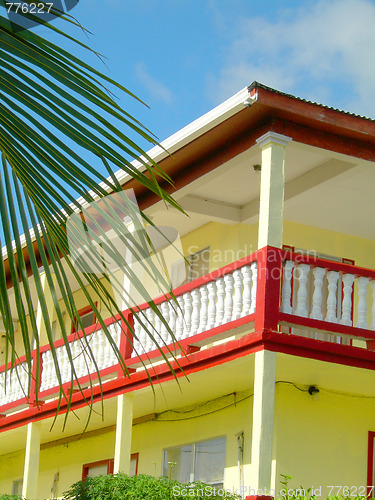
<point>194,446</point>
<point>370,463</point>
<point>110,464</point>
<point>14,483</point>
<point>82,312</point>
<point>86,467</point>
<point>190,258</point>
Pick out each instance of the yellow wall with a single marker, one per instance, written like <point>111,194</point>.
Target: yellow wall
<point>361,250</point>
<point>319,442</point>
<point>11,469</point>
<point>149,439</point>
<point>322,442</point>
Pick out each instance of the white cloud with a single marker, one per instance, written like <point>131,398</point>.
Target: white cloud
<point>323,52</point>
<point>155,88</point>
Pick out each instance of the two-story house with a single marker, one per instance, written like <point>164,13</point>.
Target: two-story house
<point>276,321</point>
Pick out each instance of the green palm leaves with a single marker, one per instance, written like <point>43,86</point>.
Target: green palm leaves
<point>59,125</point>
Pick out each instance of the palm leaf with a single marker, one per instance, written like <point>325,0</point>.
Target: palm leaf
<point>60,124</point>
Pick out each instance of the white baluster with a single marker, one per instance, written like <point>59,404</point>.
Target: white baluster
<point>164,330</point>
<point>211,312</point>
<point>66,374</point>
<point>237,299</point>
<point>16,393</point>
<point>346,316</point>
<point>60,362</point>
<point>301,275</point>
<point>332,277</point>
<point>116,335</point>
<point>157,330</point>
<point>286,303</point>
<point>362,283</point>
<point>46,374</point>
<point>204,309</point>
<point>188,306</point>
<point>373,305</point>
<point>316,312</point>
<point>254,270</point>
<point>228,302</point>
<point>101,347</point>
<point>108,349</point>
<point>24,379</point>
<point>220,301</point>
<point>82,369</point>
<point>74,349</point>
<point>246,296</point>
<point>137,336</point>
<point>180,318</point>
<point>153,326</point>
<point>195,316</point>
<point>172,317</point>
<point>2,389</point>
<point>94,351</point>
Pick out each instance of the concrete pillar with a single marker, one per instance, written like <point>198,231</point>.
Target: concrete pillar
<point>271,210</point>
<point>31,469</point>
<point>124,425</point>
<point>263,419</point>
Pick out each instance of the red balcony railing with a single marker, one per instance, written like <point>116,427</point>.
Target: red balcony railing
<point>270,290</point>
<point>208,309</point>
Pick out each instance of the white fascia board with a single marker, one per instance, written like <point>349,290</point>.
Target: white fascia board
<point>196,128</point>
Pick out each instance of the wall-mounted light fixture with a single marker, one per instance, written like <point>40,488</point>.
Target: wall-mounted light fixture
<point>313,391</point>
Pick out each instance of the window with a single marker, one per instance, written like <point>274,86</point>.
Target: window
<point>198,264</point>
<point>101,468</point>
<point>104,467</point>
<point>87,317</point>
<point>371,464</point>
<point>17,487</point>
<point>203,461</point>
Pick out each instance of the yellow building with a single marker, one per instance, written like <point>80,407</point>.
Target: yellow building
<point>278,327</point>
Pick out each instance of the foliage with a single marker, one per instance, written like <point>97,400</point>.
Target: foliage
<point>10,497</point>
<point>141,487</point>
<point>301,493</point>
<point>60,127</point>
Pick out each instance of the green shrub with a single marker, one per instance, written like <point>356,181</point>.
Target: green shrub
<point>10,497</point>
<point>141,487</point>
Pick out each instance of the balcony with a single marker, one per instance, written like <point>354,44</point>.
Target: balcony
<point>292,302</point>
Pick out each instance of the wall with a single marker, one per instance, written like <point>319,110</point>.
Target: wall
<point>322,442</point>
<point>149,439</point>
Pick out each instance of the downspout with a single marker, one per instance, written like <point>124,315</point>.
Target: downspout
<point>240,445</point>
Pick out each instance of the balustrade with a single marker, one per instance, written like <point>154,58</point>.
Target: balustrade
<point>211,304</point>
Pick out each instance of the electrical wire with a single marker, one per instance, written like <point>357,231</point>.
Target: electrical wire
<point>237,401</point>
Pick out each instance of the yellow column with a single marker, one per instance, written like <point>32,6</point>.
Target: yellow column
<point>263,419</point>
<point>31,468</point>
<point>124,425</point>
<point>271,210</point>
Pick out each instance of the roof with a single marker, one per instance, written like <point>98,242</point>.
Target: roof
<point>256,85</point>
<point>233,126</point>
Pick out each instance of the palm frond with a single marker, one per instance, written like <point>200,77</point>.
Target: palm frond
<point>60,127</point>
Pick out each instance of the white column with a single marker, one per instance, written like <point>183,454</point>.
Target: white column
<point>263,419</point>
<point>31,468</point>
<point>124,425</point>
<point>271,208</point>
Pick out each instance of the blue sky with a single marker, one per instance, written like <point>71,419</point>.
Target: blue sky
<point>183,57</point>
